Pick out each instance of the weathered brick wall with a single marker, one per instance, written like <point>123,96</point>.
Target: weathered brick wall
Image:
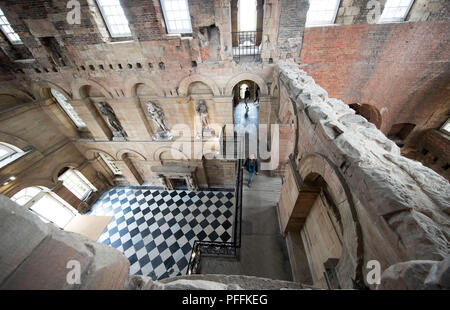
<point>394,198</point>
<point>398,68</point>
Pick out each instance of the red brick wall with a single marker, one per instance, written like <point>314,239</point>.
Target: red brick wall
<point>402,69</point>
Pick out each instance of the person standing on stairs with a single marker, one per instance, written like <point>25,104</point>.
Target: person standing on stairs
<point>251,165</point>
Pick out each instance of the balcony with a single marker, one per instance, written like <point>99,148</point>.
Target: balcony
<point>247,45</point>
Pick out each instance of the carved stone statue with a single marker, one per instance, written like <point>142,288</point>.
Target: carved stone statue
<point>157,115</point>
<point>202,111</point>
<point>106,110</point>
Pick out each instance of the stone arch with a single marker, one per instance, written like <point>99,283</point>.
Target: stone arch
<point>246,76</point>
<point>400,131</point>
<point>42,89</point>
<point>15,141</point>
<point>57,169</point>
<point>18,93</point>
<point>40,182</point>
<point>349,268</point>
<point>183,87</point>
<point>132,84</point>
<point>274,90</point>
<point>157,156</point>
<point>78,88</point>
<point>369,112</point>
<point>92,153</point>
<point>10,97</point>
<point>122,152</point>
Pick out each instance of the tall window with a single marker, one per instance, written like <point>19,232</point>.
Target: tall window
<point>176,15</point>
<point>62,100</point>
<point>75,182</point>
<point>395,11</point>
<point>115,18</point>
<point>446,127</point>
<point>247,15</point>
<point>12,36</point>
<point>45,204</point>
<point>9,153</point>
<point>109,161</point>
<point>322,12</point>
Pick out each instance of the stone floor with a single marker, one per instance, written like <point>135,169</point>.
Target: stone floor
<point>246,122</point>
<point>156,229</point>
<point>263,250</point>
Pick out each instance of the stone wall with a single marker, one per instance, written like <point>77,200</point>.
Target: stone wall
<point>32,127</point>
<point>399,209</point>
<point>38,256</point>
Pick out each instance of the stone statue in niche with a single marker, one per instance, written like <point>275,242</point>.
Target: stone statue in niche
<point>158,117</point>
<point>118,132</point>
<point>202,112</point>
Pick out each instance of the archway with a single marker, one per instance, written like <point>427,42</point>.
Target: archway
<point>321,217</point>
<point>246,113</point>
<point>369,112</point>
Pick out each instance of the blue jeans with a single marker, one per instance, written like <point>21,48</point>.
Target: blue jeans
<point>250,177</point>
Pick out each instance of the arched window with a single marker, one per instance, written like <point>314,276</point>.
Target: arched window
<point>62,100</point>
<point>75,182</point>
<point>110,163</point>
<point>9,153</point>
<point>48,206</point>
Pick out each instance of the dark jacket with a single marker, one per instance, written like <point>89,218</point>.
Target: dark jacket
<point>247,94</point>
<point>254,166</point>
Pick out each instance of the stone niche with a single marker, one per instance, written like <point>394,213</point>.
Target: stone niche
<point>177,177</point>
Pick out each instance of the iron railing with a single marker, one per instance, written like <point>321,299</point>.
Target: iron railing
<point>247,43</point>
<point>222,249</point>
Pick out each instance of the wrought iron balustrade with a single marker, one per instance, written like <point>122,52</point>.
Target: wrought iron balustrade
<point>247,43</point>
<point>222,249</point>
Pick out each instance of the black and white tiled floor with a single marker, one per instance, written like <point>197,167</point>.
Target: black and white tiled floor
<point>156,229</point>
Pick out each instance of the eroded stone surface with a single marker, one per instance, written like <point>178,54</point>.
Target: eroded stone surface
<point>413,199</point>
<point>417,275</point>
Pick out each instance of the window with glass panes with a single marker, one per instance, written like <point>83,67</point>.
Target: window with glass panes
<point>109,161</point>
<point>395,10</point>
<point>322,12</point>
<point>73,182</point>
<point>114,17</point>
<point>67,107</point>
<point>176,16</point>
<point>9,32</point>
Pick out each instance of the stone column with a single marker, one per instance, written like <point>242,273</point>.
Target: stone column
<point>126,172</point>
<point>132,118</point>
<point>264,110</point>
<point>223,20</point>
<point>92,118</point>
<point>61,120</point>
<point>223,111</point>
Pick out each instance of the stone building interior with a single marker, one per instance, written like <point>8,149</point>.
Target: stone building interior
<point>126,125</point>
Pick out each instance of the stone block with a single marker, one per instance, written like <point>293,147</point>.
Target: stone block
<point>21,233</point>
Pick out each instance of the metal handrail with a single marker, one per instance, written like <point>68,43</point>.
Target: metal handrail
<point>222,249</point>
<point>247,43</point>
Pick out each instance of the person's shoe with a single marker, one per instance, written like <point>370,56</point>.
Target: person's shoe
<point>249,185</point>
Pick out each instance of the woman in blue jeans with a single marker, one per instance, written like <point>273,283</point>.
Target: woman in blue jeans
<point>251,165</point>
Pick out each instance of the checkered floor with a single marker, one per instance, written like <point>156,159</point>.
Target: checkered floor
<point>156,229</point>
